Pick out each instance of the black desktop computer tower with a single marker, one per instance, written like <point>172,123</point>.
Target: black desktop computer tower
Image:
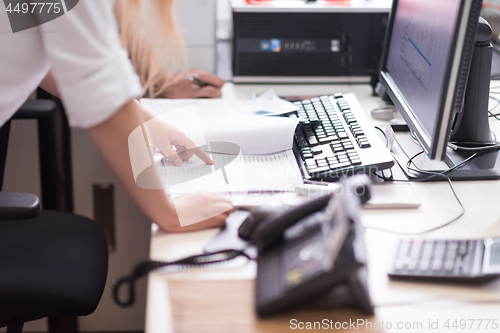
<point>285,41</point>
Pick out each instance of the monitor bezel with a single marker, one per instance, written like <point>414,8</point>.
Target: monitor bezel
<point>455,80</point>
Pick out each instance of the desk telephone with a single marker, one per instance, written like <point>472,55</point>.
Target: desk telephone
<point>304,251</point>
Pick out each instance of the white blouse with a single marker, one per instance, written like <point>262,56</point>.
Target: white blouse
<point>83,49</point>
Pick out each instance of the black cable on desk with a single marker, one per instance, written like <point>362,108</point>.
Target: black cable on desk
<point>146,266</point>
<point>431,175</point>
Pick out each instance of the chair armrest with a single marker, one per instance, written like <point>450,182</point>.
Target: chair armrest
<point>17,206</point>
<point>35,109</point>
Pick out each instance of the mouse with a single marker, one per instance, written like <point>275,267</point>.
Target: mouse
<point>257,216</point>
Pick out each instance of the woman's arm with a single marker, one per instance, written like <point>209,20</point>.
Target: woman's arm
<point>182,87</point>
<point>111,139</point>
<point>49,84</point>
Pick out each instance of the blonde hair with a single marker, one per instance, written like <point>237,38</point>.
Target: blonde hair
<point>152,43</point>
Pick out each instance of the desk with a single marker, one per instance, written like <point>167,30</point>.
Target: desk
<point>221,299</point>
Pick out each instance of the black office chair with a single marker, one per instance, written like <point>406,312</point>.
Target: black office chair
<point>52,264</point>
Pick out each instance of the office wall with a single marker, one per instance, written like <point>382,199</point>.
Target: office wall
<point>132,233</point>
<point>196,20</point>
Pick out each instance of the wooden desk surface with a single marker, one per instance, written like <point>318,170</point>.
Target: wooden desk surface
<point>223,302</point>
<point>228,306</point>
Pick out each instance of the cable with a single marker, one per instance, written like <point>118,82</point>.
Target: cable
<point>491,5</point>
<point>431,174</point>
<point>144,267</point>
<point>423,180</point>
<point>385,136</point>
<point>486,147</point>
<point>494,115</point>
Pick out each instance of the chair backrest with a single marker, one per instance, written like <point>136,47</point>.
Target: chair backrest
<point>31,109</point>
<point>4,142</point>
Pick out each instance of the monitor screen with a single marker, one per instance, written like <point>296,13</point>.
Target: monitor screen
<point>426,64</point>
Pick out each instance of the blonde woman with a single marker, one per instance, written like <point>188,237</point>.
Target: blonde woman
<point>92,73</point>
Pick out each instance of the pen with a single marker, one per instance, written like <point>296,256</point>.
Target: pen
<point>199,82</point>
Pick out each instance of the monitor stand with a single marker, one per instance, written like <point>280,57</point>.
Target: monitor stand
<point>471,127</point>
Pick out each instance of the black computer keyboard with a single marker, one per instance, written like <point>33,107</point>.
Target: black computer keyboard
<point>336,138</point>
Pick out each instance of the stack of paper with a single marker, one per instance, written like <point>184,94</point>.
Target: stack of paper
<point>264,161</point>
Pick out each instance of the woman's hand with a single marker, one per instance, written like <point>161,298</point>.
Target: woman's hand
<point>165,137</point>
<point>183,87</point>
<point>198,211</point>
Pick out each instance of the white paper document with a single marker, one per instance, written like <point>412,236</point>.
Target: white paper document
<point>272,103</point>
<point>266,103</point>
<point>258,156</point>
<point>204,106</point>
<point>254,134</point>
<point>242,174</point>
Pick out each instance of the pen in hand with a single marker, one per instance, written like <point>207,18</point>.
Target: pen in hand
<point>199,82</point>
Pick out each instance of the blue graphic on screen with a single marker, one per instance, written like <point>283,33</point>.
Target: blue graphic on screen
<point>417,49</point>
<point>275,45</point>
<point>418,53</point>
<point>265,45</point>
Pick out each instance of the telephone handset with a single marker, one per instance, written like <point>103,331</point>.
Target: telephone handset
<point>271,229</point>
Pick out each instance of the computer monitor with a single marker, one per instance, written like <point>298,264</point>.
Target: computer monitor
<point>436,70</point>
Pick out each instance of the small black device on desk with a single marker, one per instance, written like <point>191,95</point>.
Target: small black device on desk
<point>304,252</point>
<point>447,260</point>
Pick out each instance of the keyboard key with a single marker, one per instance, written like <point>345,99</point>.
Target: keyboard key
<point>312,169</point>
<point>364,144</point>
<point>415,250</point>
<point>412,265</point>
<point>362,137</point>
<point>462,251</point>
<point>320,169</point>
<point>312,140</point>
<point>343,164</point>
<point>343,135</point>
<point>327,139</point>
<point>436,265</point>
<point>310,163</point>
<point>449,265</point>
<point>316,150</point>
<point>322,163</point>
<point>308,155</point>
<point>424,265</point>
<point>337,148</point>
